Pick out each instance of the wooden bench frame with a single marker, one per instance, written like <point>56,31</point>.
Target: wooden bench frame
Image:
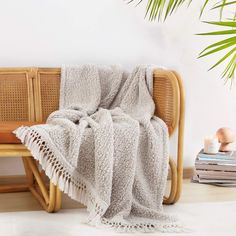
<point>168,95</point>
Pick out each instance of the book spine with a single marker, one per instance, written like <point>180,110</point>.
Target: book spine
<point>215,167</point>
<point>215,160</point>
<point>212,173</point>
<point>217,157</point>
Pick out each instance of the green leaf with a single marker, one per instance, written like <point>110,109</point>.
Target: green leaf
<point>219,32</point>
<point>232,69</point>
<point>169,7</point>
<point>203,7</point>
<point>222,8</point>
<point>148,7</point>
<point>231,66</point>
<point>218,49</point>
<point>159,9</point>
<point>232,39</point>
<point>222,23</point>
<point>223,58</point>
<point>223,5</point>
<point>181,2</point>
<point>175,6</point>
<point>155,7</point>
<point>189,3</point>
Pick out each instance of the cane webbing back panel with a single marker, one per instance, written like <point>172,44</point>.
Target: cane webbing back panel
<point>16,96</point>
<point>49,90</point>
<point>18,103</point>
<point>166,97</point>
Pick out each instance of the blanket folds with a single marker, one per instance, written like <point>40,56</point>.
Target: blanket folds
<point>105,148</point>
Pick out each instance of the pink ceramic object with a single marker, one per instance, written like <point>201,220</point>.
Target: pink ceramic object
<point>225,137</point>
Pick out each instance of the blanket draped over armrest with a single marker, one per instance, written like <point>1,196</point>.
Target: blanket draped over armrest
<point>105,148</point>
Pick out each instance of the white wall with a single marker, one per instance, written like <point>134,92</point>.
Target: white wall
<point>55,32</point>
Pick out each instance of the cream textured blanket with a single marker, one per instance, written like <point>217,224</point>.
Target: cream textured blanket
<point>104,147</point>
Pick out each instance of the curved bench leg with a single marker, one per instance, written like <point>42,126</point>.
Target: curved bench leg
<point>49,199</point>
<point>180,139</point>
<point>58,200</point>
<point>28,172</point>
<point>174,179</point>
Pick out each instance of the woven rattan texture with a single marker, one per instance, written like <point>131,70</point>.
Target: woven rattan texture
<point>13,97</point>
<point>50,89</point>
<point>164,100</point>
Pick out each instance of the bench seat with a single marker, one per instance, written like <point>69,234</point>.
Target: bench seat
<point>7,128</point>
<point>29,95</point>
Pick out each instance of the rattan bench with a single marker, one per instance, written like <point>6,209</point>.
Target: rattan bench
<point>29,95</point>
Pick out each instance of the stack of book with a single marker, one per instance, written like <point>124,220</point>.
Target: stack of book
<point>217,169</point>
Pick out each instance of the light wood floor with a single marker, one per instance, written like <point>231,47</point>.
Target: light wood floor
<point>192,192</point>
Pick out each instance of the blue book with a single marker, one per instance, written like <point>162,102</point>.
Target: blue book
<point>218,156</point>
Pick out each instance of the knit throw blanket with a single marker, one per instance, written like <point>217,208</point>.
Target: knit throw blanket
<point>105,148</point>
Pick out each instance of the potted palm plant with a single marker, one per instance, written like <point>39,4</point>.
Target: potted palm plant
<point>161,9</point>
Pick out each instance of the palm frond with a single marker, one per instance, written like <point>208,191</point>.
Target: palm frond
<point>225,41</point>
<point>226,56</point>
<point>223,4</point>
<point>217,49</point>
<point>162,9</point>
<point>231,23</point>
<point>222,8</point>
<point>203,7</point>
<point>224,32</point>
<point>229,43</point>
<point>230,68</point>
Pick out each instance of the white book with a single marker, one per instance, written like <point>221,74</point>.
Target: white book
<point>212,173</point>
<point>215,166</point>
